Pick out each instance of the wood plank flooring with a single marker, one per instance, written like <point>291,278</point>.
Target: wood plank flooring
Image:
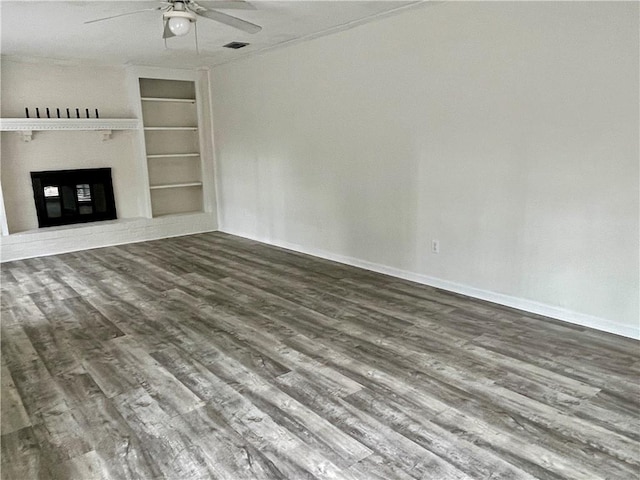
<point>215,357</point>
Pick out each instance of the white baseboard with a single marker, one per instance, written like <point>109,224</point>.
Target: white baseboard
<point>71,238</point>
<point>526,305</point>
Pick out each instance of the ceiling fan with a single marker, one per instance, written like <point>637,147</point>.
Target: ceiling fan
<point>180,14</point>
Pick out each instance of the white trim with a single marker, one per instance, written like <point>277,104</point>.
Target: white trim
<point>4,227</point>
<point>133,90</point>
<point>523,304</point>
<point>214,166</point>
<point>207,161</point>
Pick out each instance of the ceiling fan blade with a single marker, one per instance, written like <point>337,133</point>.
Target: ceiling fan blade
<point>231,21</point>
<point>225,4</point>
<point>123,14</point>
<point>167,31</point>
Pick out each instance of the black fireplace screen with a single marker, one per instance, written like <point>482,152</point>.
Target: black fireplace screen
<point>64,197</point>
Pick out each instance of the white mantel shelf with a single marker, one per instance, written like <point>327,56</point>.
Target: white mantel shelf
<point>27,126</point>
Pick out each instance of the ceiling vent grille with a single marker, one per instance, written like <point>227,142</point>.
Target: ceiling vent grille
<point>235,45</point>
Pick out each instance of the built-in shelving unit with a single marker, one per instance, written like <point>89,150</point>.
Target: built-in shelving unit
<point>170,125</point>
<point>26,126</point>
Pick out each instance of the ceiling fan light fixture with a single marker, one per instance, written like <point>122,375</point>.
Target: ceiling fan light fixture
<point>179,26</point>
<point>179,22</point>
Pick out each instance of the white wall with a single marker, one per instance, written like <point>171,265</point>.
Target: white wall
<point>46,84</point>
<point>508,131</point>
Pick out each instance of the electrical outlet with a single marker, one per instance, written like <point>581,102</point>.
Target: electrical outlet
<point>435,246</point>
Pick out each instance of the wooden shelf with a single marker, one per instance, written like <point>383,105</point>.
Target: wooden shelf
<point>27,126</point>
<point>175,185</point>
<point>188,212</point>
<point>162,99</point>
<point>170,128</point>
<point>173,155</point>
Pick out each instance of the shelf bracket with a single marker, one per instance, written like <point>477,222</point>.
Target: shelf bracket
<point>27,135</point>
<point>106,134</point>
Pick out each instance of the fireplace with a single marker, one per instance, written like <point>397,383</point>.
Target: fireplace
<point>64,197</point>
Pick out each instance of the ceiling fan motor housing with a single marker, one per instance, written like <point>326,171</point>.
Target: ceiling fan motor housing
<point>175,14</point>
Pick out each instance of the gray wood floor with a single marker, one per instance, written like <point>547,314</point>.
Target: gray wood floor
<point>211,356</point>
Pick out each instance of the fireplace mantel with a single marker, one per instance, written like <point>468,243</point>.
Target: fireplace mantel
<point>26,126</point>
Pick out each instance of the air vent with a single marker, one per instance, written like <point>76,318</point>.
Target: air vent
<point>235,45</point>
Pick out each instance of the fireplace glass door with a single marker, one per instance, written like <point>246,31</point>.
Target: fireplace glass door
<point>65,197</point>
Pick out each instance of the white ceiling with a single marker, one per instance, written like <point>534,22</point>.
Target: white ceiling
<point>56,30</point>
